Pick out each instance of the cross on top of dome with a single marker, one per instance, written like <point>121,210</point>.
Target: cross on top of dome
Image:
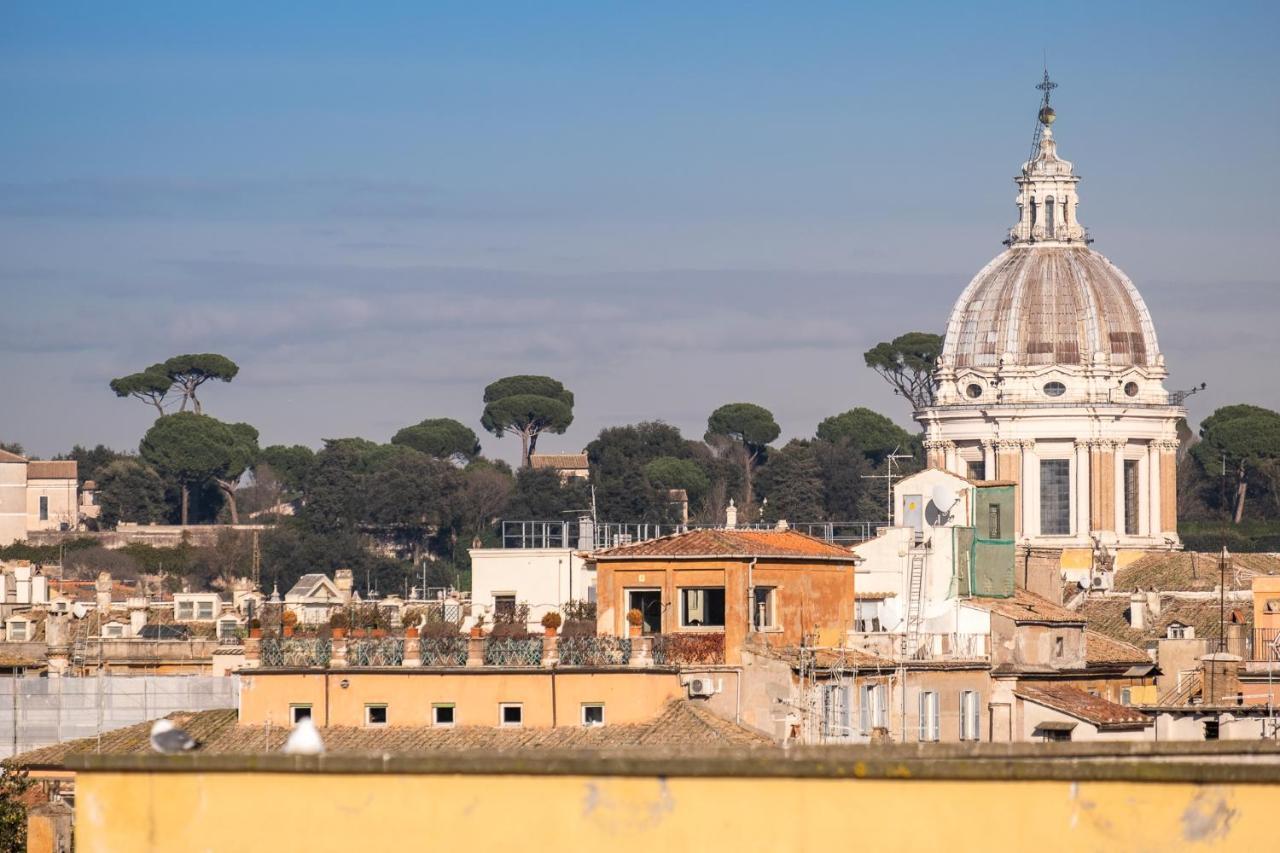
<point>1047,199</point>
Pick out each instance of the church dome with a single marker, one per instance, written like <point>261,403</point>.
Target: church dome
<point>1057,304</point>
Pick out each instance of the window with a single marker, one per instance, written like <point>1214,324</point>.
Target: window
<point>873,708</point>
<point>1058,646</point>
<point>974,391</point>
<point>186,611</point>
<point>204,610</point>
<point>1055,497</point>
<point>702,607</point>
<point>298,713</point>
<point>442,715</point>
<point>375,715</point>
<point>1054,389</point>
<point>835,711</point>
<point>866,616</point>
<point>44,507</point>
<point>593,714</point>
<point>1131,497</point>
<point>977,470</point>
<point>970,716</point>
<point>1126,696</point>
<point>113,630</point>
<point>993,521</point>
<point>1048,217</point>
<point>928,715</point>
<point>227,628</point>
<point>1210,729</point>
<point>1131,389</point>
<point>1052,735</point>
<point>17,632</point>
<point>511,715</point>
<point>504,607</point>
<point>762,609</point>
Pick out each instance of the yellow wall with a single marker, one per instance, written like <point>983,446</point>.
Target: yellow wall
<point>240,811</point>
<point>629,696</point>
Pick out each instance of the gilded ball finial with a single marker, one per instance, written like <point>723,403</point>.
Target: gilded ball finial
<point>1047,116</point>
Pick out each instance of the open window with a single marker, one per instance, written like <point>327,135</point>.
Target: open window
<point>929,728</point>
<point>375,715</point>
<point>866,616</point>
<point>764,608</point>
<point>970,715</point>
<point>702,607</point>
<point>298,713</point>
<point>443,714</point>
<point>593,714</point>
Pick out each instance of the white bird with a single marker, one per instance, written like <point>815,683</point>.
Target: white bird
<point>169,739</point>
<point>305,739</point>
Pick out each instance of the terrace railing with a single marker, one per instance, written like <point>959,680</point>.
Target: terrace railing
<point>594,651</point>
<point>513,651</point>
<point>688,649</point>
<point>375,651</point>
<point>587,536</point>
<point>443,651</point>
<point>295,652</point>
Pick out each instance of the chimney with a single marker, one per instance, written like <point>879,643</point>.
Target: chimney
<point>1221,679</point>
<point>345,582</point>
<point>782,525</point>
<point>137,616</point>
<point>586,533</point>
<point>103,587</point>
<point>39,588</point>
<point>731,516</point>
<point>1153,603</point>
<point>1138,610</point>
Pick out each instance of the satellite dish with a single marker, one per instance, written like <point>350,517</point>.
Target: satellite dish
<point>944,498</point>
<point>79,610</point>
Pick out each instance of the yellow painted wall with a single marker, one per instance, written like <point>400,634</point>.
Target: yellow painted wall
<point>628,696</point>
<point>240,811</point>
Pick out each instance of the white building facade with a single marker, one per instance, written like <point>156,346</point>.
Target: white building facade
<point>1051,376</point>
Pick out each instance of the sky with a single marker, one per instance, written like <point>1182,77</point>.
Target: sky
<point>377,209</point>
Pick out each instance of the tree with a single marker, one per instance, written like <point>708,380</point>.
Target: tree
<point>443,438</point>
<point>11,447</point>
<point>189,372</point>
<point>151,386</point>
<point>90,463</point>
<point>128,490</point>
<point>527,406</point>
<point>668,472</point>
<point>192,449</point>
<point>290,464</point>
<point>751,426</point>
<point>791,482</point>
<point>907,363</point>
<point>870,432</point>
<point>618,457</point>
<point>1247,440</point>
<point>14,782</point>
<point>539,494</point>
<point>413,496</point>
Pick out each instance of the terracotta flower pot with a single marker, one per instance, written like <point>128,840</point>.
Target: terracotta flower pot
<point>551,632</point>
<point>255,633</point>
<point>378,633</point>
<point>411,633</point>
<point>357,633</point>
<point>477,632</point>
<point>339,633</point>
<point>288,630</point>
<point>634,630</point>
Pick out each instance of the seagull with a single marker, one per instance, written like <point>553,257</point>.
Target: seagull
<point>169,739</point>
<point>305,739</point>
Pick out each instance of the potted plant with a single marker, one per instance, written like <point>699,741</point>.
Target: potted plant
<point>477,630</point>
<point>339,623</point>
<point>635,620</point>
<point>289,621</point>
<point>255,628</point>
<point>551,622</point>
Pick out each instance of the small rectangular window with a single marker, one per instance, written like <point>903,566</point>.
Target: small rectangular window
<point>928,715</point>
<point>511,715</point>
<point>702,607</point>
<point>873,708</point>
<point>762,609</point>
<point>1058,647</point>
<point>18,632</point>
<point>993,521</point>
<point>298,713</point>
<point>504,607</point>
<point>1132,497</point>
<point>866,616</point>
<point>835,711</point>
<point>375,715</point>
<point>593,714</point>
<point>1061,735</point>
<point>970,716</point>
<point>442,715</point>
<point>44,507</point>
<point>977,470</point>
<point>204,610</point>
<point>186,611</point>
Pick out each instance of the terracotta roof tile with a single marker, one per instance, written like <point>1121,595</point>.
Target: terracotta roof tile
<point>559,461</point>
<point>1085,706</point>
<point>55,470</point>
<point>681,723</point>
<point>732,543</point>
<point>6,456</point>
<point>1027,607</point>
<point>1193,571</point>
<point>1109,615</point>
<point>1101,649</point>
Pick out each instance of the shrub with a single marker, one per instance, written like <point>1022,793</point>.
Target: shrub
<point>551,620</point>
<point>635,617</point>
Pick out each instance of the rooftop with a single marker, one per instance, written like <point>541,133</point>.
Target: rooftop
<point>54,470</point>
<point>785,544</point>
<point>1085,706</point>
<point>1029,608</point>
<point>1109,615</point>
<point>1193,571</point>
<point>559,461</point>
<point>1103,650</point>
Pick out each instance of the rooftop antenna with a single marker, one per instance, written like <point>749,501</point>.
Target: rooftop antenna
<point>890,462</point>
<point>1044,118</point>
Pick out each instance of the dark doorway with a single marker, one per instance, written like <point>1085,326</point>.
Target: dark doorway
<point>649,603</point>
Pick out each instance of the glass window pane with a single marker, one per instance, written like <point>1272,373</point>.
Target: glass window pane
<point>1055,497</point>
<point>1131,497</point>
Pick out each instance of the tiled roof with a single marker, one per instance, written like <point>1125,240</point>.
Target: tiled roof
<point>1027,607</point>
<point>681,723</point>
<point>305,584</point>
<point>6,456</point>
<point>559,461</point>
<point>1085,706</point>
<point>1193,571</point>
<point>1109,615</point>
<point>1101,649</point>
<point>733,543</point>
<point>56,470</point>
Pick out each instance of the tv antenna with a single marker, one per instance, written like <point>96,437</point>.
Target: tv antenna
<point>889,475</point>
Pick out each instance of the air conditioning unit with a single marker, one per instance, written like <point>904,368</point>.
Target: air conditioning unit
<point>1099,581</point>
<point>701,686</point>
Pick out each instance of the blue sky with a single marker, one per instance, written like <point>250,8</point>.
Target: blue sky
<point>378,208</point>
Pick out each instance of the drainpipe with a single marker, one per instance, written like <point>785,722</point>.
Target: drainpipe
<point>751,596</point>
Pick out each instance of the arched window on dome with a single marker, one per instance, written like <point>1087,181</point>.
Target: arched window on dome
<point>1048,218</point>
<point>1032,202</point>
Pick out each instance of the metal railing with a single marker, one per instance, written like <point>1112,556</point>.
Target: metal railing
<point>375,651</point>
<point>513,651</point>
<point>277,652</point>
<point>589,537</point>
<point>443,651</point>
<point>594,651</point>
<point>688,649</point>
<point>1266,645</point>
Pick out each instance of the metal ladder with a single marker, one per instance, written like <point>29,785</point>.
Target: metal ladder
<point>915,594</point>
